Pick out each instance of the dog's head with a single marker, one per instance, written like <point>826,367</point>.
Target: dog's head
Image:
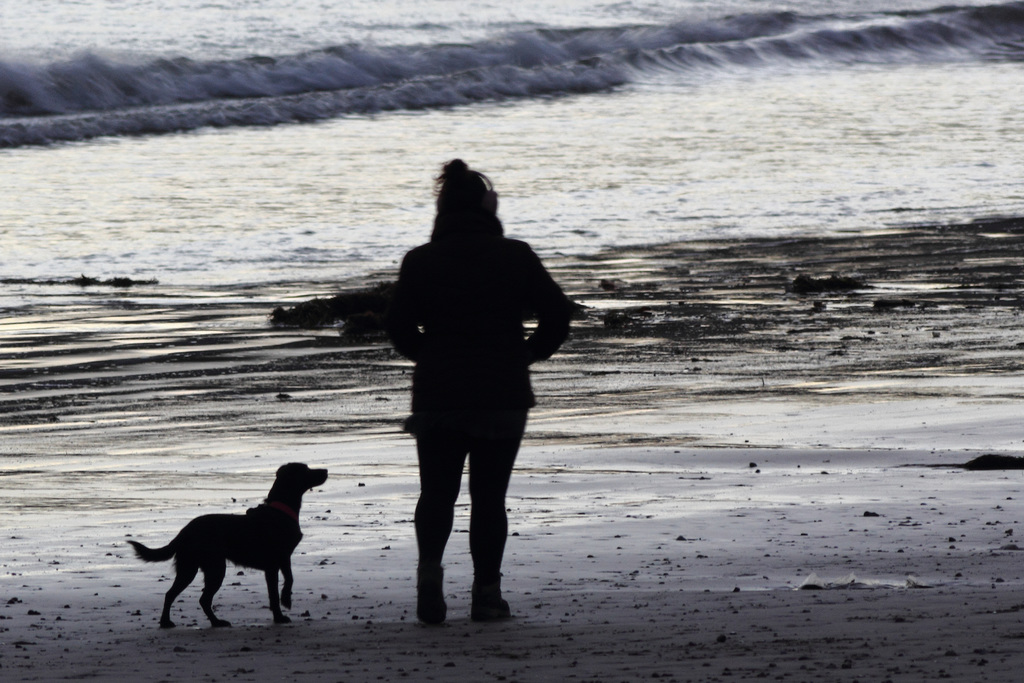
<point>299,476</point>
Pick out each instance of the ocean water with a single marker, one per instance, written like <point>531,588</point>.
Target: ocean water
<point>224,144</point>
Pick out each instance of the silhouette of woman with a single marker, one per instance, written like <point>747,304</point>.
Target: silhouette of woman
<point>458,313</point>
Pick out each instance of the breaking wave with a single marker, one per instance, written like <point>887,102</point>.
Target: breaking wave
<point>91,96</point>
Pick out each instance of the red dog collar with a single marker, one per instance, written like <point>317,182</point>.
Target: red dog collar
<point>278,505</point>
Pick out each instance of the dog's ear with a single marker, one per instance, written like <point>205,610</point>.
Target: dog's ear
<point>290,467</point>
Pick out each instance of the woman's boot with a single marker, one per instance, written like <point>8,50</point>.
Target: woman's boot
<point>430,605</point>
<point>488,604</point>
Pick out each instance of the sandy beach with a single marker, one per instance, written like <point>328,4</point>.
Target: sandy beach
<point>725,479</point>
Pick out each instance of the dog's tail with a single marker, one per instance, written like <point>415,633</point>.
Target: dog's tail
<point>154,554</point>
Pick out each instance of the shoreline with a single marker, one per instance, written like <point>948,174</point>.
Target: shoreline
<point>675,326</point>
<point>705,444</point>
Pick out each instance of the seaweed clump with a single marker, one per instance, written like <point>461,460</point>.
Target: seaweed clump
<point>81,281</point>
<point>805,284</point>
<point>124,282</point>
<point>361,311</point>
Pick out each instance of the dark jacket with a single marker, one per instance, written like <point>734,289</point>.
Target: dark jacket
<point>458,313</point>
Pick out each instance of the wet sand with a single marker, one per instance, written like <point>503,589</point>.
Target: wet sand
<point>707,443</point>
<point>690,324</point>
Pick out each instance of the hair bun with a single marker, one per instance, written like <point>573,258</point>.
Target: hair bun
<point>455,167</point>
<point>460,189</point>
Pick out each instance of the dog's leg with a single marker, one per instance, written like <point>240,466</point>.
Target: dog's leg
<point>275,600</point>
<point>286,589</point>
<point>184,576</point>
<point>213,575</point>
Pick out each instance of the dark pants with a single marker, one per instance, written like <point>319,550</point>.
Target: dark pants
<point>442,457</point>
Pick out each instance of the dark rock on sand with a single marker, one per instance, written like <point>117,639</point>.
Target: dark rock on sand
<point>616,319</point>
<point>992,461</point>
<point>890,304</point>
<point>805,284</point>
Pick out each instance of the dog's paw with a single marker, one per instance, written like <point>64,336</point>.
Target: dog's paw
<point>167,623</point>
<point>286,600</point>
<point>281,619</point>
<point>220,623</point>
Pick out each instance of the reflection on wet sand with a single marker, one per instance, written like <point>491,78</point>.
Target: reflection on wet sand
<point>675,324</point>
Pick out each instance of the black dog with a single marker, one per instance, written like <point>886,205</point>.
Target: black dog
<point>263,538</point>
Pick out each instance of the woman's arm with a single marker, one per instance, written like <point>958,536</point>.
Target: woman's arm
<point>401,319</point>
<point>553,311</point>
